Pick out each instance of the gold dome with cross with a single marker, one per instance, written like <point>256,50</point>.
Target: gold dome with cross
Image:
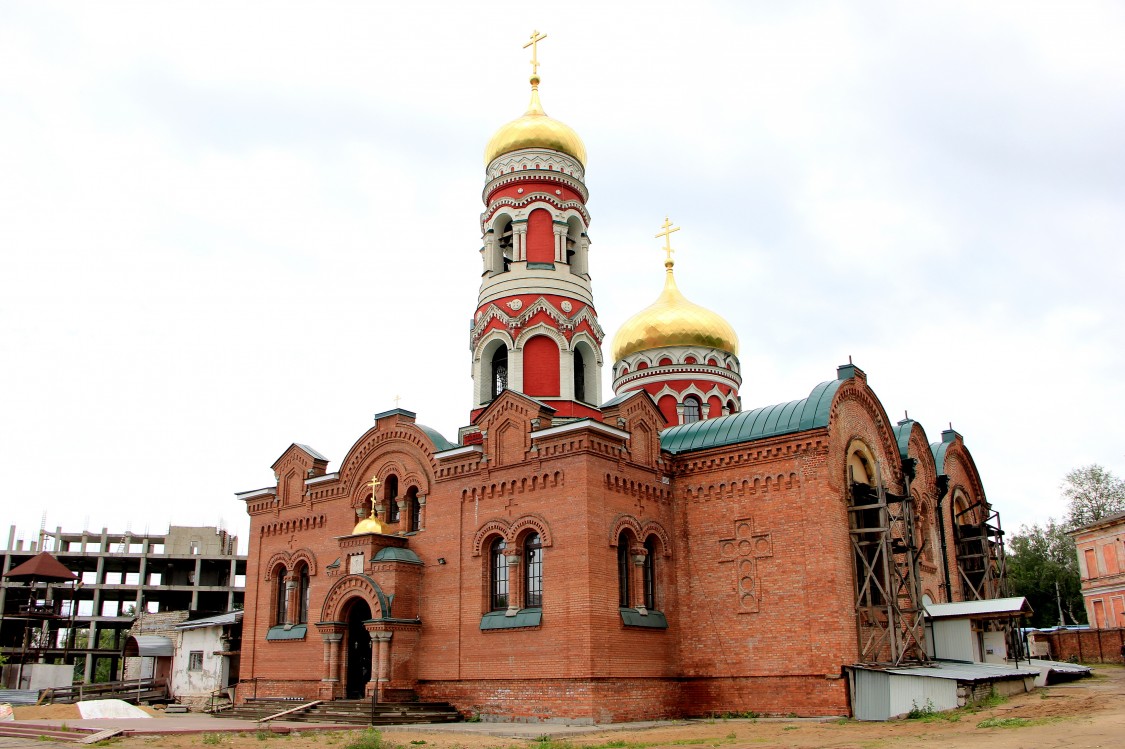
<point>672,320</point>
<point>535,129</point>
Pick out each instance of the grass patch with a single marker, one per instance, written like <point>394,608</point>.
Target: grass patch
<point>369,739</point>
<point>212,738</point>
<point>1004,723</point>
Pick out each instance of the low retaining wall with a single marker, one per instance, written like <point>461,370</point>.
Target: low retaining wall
<point>1084,645</point>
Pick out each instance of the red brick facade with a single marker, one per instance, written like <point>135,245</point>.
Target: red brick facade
<point>673,582</point>
<point>753,568</point>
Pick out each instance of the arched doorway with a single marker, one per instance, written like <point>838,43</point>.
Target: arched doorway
<point>358,650</point>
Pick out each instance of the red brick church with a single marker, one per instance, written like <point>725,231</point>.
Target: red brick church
<point>664,552</point>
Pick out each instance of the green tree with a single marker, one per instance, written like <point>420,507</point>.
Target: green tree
<point>1042,565</point>
<point>1092,493</point>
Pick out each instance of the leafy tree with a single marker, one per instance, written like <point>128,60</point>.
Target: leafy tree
<point>1092,493</point>
<point>1042,565</point>
<point>1042,562</point>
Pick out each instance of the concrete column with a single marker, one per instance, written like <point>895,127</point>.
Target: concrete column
<point>402,518</point>
<point>421,512</point>
<point>566,373</point>
<point>290,599</point>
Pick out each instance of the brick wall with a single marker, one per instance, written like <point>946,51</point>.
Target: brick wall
<point>1085,646</point>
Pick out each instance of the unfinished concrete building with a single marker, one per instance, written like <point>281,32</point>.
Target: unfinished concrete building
<point>121,576</point>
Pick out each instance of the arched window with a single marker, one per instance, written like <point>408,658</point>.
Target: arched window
<point>579,376</point>
<point>650,573</point>
<point>414,521</point>
<point>499,372</point>
<point>693,410</point>
<point>504,242</point>
<point>303,595</point>
<point>390,496</point>
<point>731,408</point>
<point>498,576</point>
<point>623,561</point>
<point>279,591</point>
<point>533,571</point>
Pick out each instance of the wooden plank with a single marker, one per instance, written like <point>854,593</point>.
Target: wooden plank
<point>305,706</point>
<point>109,733</point>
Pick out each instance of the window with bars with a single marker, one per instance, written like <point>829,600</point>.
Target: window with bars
<point>195,660</point>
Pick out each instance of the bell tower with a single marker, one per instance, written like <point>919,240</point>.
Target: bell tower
<point>535,329</point>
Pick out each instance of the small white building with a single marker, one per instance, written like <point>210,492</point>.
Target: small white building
<point>206,657</point>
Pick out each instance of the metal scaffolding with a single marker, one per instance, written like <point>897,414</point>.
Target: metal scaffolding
<point>980,554</point>
<point>888,602</point>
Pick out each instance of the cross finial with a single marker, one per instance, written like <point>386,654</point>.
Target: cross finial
<point>397,399</point>
<point>536,37</point>
<point>667,234</point>
<point>374,484</point>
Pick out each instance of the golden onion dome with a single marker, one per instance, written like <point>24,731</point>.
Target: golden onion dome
<point>673,321</point>
<point>535,130</point>
<point>369,524</point>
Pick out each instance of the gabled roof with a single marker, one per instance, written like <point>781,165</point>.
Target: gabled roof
<point>303,448</point>
<point>769,421</point>
<point>508,392</point>
<point>988,608</point>
<point>42,567</point>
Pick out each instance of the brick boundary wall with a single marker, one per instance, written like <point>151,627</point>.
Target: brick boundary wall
<point>1086,646</point>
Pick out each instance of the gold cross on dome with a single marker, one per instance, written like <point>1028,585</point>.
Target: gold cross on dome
<point>374,484</point>
<point>536,37</point>
<point>667,234</point>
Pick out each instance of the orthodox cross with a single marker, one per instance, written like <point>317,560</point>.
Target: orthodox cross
<point>374,484</point>
<point>536,37</point>
<point>667,234</point>
<point>397,399</point>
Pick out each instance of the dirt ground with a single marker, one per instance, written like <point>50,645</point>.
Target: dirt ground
<point>1087,713</point>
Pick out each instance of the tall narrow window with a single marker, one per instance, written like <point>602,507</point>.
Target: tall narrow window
<point>279,591</point>
<point>390,496</point>
<point>499,381</point>
<point>415,510</point>
<point>650,573</point>
<point>303,595</point>
<point>533,571</point>
<point>623,570</point>
<point>579,376</point>
<point>498,576</point>
<point>693,410</point>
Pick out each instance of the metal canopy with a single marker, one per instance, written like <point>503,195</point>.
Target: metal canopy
<point>148,646</point>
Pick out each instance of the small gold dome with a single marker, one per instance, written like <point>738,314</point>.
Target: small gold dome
<point>673,321</point>
<point>535,130</point>
<point>369,524</point>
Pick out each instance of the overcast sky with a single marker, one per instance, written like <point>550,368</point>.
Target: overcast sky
<point>227,227</point>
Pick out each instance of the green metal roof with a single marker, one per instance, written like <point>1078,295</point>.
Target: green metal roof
<point>939,448</point>
<point>395,554</point>
<point>760,423</point>
<point>501,620</point>
<point>902,436</point>
<point>279,632</point>
<point>441,443</point>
